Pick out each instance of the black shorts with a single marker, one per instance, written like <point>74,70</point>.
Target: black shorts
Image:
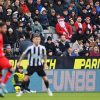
<point>38,69</point>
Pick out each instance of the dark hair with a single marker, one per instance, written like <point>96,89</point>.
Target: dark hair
<point>2,24</point>
<point>28,29</point>
<point>36,19</point>
<point>27,36</point>
<point>20,67</point>
<point>49,38</point>
<point>35,35</point>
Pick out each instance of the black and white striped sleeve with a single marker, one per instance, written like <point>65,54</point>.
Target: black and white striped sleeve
<point>27,50</point>
<point>44,52</point>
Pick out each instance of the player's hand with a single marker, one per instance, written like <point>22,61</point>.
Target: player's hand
<point>45,66</point>
<point>18,64</point>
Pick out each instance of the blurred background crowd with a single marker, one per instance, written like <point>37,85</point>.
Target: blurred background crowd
<point>66,27</point>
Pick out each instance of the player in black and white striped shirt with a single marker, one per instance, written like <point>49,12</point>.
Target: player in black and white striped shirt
<point>36,53</point>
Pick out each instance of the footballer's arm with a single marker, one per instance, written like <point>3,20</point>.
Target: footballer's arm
<point>21,58</point>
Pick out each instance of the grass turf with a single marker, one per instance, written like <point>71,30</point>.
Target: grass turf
<point>57,96</point>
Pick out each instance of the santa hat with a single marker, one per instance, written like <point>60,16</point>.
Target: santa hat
<point>80,0</point>
<point>79,17</point>
<point>43,9</point>
<point>88,17</point>
<point>61,18</point>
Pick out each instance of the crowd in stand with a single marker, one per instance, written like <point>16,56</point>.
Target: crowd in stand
<point>73,25</point>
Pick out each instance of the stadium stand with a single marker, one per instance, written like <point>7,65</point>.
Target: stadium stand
<point>71,27</point>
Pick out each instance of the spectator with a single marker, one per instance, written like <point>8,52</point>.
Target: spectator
<point>88,8</point>
<point>66,15</point>
<point>72,23</point>
<point>81,19</point>
<point>25,43</point>
<point>11,35</point>
<point>36,14</point>
<point>63,43</point>
<point>73,16</point>
<point>86,46</point>
<point>2,13</point>
<point>30,5</point>
<point>87,24</point>
<point>64,28</point>
<point>58,6</point>
<point>8,23</point>
<point>87,34</point>
<point>7,4</point>
<point>50,47</point>
<point>78,45</point>
<point>78,23</point>
<point>66,3</point>
<point>8,51</point>
<point>70,9</point>
<point>39,5</point>
<point>14,23</point>
<point>45,4</point>
<point>75,53</point>
<point>74,8</point>
<point>84,14</point>
<point>51,6</point>
<point>17,44</point>
<point>23,7</point>
<point>86,53</point>
<point>20,31</point>
<point>92,41</point>
<point>94,17</point>
<point>37,26</point>
<point>52,18</point>
<point>68,52</point>
<point>9,13</point>
<point>44,19</point>
<point>1,2</point>
<point>58,51</point>
<point>95,52</point>
<point>16,5</point>
<point>97,5</point>
<point>79,6</point>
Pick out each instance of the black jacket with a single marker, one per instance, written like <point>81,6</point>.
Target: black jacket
<point>50,48</point>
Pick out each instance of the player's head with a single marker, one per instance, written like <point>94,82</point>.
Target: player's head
<point>36,39</point>
<point>20,69</point>
<point>3,27</point>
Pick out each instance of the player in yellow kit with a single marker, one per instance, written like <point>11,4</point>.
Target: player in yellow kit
<point>17,81</point>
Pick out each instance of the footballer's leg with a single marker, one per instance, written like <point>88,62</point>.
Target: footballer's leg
<point>47,85</point>
<point>27,90</point>
<point>23,86</point>
<point>6,65</point>
<point>30,71</point>
<point>0,76</point>
<point>42,74</point>
<point>1,91</point>
<point>25,82</point>
<point>6,78</point>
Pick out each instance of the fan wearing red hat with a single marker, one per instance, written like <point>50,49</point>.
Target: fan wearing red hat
<point>78,23</point>
<point>24,7</point>
<point>87,24</point>
<point>63,28</point>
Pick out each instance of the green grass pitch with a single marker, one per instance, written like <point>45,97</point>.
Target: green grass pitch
<point>57,96</point>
